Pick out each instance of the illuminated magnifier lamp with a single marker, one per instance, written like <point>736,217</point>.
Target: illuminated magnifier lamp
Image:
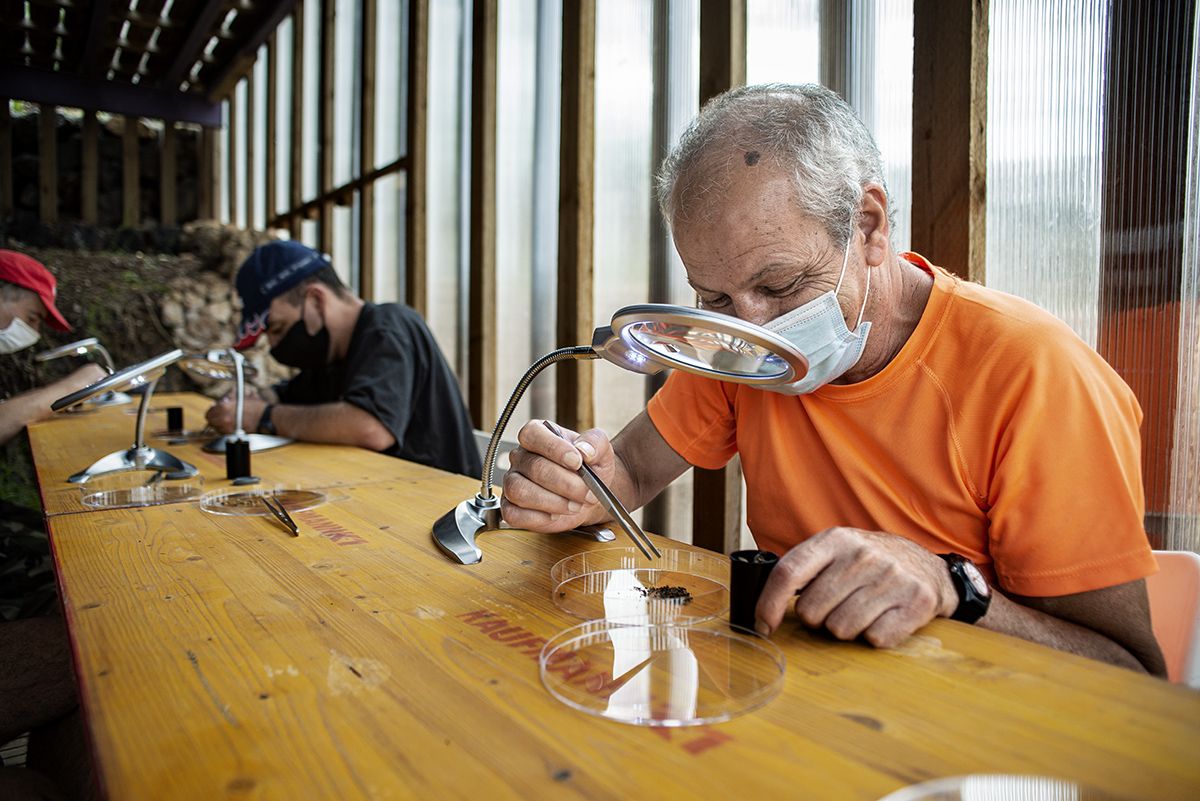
<point>141,377</point>
<point>82,348</point>
<point>227,364</point>
<point>647,339</point>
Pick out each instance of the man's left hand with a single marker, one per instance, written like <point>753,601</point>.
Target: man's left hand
<point>858,583</point>
<point>222,415</point>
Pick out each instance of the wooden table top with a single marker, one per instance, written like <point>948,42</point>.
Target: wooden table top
<point>68,443</point>
<point>220,657</point>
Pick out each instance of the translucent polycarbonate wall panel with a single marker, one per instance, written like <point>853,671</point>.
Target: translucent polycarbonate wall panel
<point>258,214</point>
<point>346,97</point>
<point>391,75</point>
<point>390,202</point>
<point>221,185</point>
<point>783,42</point>
<point>283,117</point>
<point>1183,524</point>
<point>310,232</point>
<point>1089,129</point>
<point>342,251</point>
<point>239,155</point>
<point>312,99</point>
<point>1046,64</point>
<point>445,197</point>
<point>880,90</point>
<point>527,103</point>
<point>681,104</point>
<point>623,187</point>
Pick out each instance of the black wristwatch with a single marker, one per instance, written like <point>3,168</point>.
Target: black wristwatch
<point>265,426</point>
<point>974,594</point>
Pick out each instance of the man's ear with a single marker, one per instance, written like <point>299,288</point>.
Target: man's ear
<point>873,223</point>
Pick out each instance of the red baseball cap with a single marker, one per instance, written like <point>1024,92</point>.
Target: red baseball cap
<point>17,268</point>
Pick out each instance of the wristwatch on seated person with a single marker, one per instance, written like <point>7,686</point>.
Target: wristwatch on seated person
<point>265,426</point>
<point>974,594</point>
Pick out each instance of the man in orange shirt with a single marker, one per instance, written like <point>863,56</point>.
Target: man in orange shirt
<point>953,451</point>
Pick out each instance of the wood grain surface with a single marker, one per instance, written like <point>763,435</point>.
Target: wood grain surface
<point>68,443</point>
<point>220,657</point>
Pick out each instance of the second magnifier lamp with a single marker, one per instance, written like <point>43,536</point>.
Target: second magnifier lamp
<point>648,339</point>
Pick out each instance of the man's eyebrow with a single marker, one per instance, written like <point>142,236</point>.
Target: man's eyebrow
<point>763,273</point>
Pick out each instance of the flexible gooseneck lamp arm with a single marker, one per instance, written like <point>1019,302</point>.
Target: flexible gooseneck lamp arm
<point>579,352</point>
<point>240,388</point>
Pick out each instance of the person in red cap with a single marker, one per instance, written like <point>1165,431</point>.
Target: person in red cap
<point>27,294</point>
<point>37,680</point>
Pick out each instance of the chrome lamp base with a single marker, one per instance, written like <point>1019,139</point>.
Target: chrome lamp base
<point>455,531</point>
<point>137,459</point>
<point>258,442</point>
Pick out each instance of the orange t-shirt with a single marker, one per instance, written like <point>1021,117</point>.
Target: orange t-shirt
<point>995,433</point>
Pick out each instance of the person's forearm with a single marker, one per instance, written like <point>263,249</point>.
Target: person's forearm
<point>341,423</point>
<point>1009,617</point>
<point>28,407</point>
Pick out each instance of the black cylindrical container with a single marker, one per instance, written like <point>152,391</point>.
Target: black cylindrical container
<point>748,573</point>
<point>174,419</point>
<point>237,458</point>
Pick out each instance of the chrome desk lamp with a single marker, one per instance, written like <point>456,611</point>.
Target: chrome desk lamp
<point>141,377</point>
<point>646,338</point>
<point>226,364</point>
<point>83,347</point>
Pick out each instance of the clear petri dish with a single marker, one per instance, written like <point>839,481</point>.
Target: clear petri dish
<point>239,501</point>
<point>998,787</point>
<point>663,674</point>
<point>130,488</point>
<point>622,584</point>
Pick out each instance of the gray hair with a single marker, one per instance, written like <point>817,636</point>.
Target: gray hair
<point>807,130</point>
<point>13,293</point>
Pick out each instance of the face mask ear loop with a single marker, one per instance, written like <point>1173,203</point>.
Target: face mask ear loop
<point>866,295</point>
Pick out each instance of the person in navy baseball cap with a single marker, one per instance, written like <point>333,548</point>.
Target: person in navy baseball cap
<point>369,375</point>
<point>271,270</point>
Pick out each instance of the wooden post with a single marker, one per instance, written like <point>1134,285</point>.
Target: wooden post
<point>481,324</point>
<point>296,185</point>
<point>415,266</point>
<point>131,174</point>
<point>248,175</point>
<point>574,404</point>
<point>717,494</point>
<point>90,168</point>
<point>272,128</point>
<point>325,131</point>
<point>166,193</point>
<point>6,162</point>
<point>949,134</point>
<point>366,217</point>
<point>47,164</point>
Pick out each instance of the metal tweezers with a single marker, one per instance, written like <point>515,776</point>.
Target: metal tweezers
<point>611,504</point>
<point>275,506</point>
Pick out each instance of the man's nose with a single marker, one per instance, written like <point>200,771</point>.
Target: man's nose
<point>756,310</point>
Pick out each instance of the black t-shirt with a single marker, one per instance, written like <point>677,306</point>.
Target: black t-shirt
<point>394,370</point>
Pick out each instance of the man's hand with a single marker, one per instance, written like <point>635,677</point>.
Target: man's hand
<point>222,415</point>
<point>858,583</point>
<point>542,491</point>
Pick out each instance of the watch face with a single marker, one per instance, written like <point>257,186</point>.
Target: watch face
<point>978,582</point>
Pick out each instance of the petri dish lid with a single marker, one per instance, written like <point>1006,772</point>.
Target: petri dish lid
<point>622,584</point>
<point>241,501</point>
<point>124,489</point>
<point>998,787</point>
<point>664,674</point>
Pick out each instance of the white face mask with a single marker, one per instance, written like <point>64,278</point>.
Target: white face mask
<point>17,336</point>
<point>819,331</point>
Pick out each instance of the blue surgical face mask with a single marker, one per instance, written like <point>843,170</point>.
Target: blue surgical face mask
<point>818,330</point>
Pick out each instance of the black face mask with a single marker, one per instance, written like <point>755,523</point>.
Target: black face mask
<point>298,348</point>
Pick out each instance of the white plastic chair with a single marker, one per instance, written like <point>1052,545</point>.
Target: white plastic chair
<point>1175,613</point>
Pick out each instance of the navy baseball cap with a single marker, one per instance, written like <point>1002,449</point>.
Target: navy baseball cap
<point>271,270</point>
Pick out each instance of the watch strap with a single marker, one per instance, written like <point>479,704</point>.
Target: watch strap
<point>265,424</point>
<point>972,604</point>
